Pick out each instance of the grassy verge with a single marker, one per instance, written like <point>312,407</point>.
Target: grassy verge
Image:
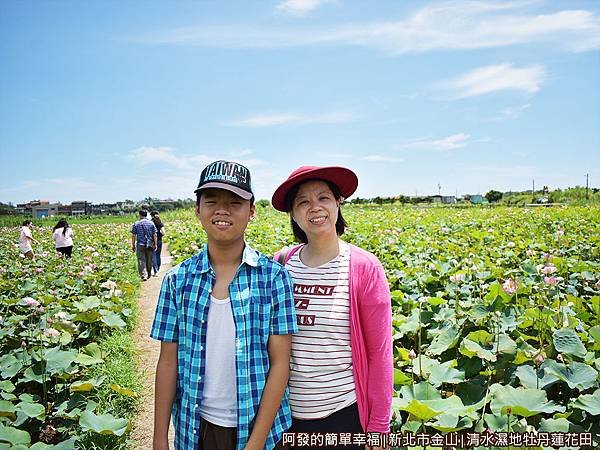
<point>118,395</point>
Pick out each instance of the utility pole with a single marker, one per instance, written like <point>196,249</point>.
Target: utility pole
<point>533,190</point>
<point>439,189</point>
<point>587,186</point>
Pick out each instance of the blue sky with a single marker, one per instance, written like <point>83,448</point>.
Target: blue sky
<point>112,100</point>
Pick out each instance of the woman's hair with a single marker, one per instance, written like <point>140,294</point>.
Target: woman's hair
<point>157,222</point>
<point>340,223</point>
<point>62,223</point>
<point>27,222</point>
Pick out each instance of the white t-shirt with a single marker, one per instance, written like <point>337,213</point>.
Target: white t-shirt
<point>63,240</point>
<point>321,376</point>
<point>24,243</point>
<point>219,399</point>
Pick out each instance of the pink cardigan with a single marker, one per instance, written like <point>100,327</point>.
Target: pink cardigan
<point>371,337</point>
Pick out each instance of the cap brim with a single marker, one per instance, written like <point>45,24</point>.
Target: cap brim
<point>345,179</point>
<point>228,187</point>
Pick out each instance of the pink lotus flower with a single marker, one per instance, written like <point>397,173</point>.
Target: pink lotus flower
<point>539,359</point>
<point>412,354</point>
<point>457,277</point>
<point>39,270</point>
<point>31,302</point>
<point>510,286</point>
<point>547,255</point>
<point>597,285</point>
<point>559,233</point>
<point>2,270</point>
<point>550,280</point>
<point>549,269</point>
<point>23,344</point>
<point>51,332</point>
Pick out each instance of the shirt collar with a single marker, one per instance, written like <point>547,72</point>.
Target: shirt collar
<point>249,256</point>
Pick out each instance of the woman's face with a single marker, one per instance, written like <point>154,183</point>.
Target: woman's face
<point>315,209</point>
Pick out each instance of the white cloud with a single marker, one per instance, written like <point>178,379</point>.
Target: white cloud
<point>299,7</point>
<point>455,25</point>
<point>381,158</point>
<point>291,118</point>
<point>512,112</point>
<point>500,77</point>
<point>171,157</point>
<point>448,143</point>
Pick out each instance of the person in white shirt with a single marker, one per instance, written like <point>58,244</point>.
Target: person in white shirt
<point>63,238</point>
<point>26,239</point>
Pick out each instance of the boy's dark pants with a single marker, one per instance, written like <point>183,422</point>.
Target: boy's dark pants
<point>215,437</point>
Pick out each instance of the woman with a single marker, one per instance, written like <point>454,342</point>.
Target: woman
<point>160,232</point>
<point>26,239</point>
<point>341,366</point>
<point>63,238</point>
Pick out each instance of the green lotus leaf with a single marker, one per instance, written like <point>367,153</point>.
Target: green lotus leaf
<point>87,385</point>
<point>87,303</point>
<point>400,378</point>
<point>7,409</point>
<point>589,403</point>
<point>10,366</point>
<point>7,386</point>
<point>445,339</point>
<point>485,345</point>
<point>535,379</point>
<point>419,391</point>
<point>500,423</point>
<point>121,390</point>
<point>64,445</point>
<point>423,365</point>
<point>14,436</point>
<point>444,374</point>
<point>112,319</point>
<point>555,425</point>
<point>520,401</point>
<point>566,341</point>
<point>577,375</point>
<point>448,423</point>
<point>30,409</point>
<point>58,361</point>
<point>87,317</point>
<point>420,410</point>
<point>103,423</point>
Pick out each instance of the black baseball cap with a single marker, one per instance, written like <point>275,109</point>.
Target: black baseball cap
<point>227,175</point>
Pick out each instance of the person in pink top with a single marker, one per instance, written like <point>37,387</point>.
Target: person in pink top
<point>341,372</point>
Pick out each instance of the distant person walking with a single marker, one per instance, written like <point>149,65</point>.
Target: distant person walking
<point>63,238</point>
<point>26,239</point>
<point>159,235</point>
<point>144,233</point>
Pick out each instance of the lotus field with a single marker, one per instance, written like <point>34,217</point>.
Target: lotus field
<point>496,324</point>
<point>496,316</point>
<point>54,314</point>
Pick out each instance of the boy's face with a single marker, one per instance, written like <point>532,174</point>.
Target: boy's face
<point>224,215</point>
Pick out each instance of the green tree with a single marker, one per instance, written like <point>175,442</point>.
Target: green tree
<point>493,196</point>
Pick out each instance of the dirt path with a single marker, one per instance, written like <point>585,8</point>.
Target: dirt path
<point>148,356</point>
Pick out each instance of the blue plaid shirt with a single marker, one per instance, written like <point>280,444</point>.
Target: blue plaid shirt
<point>262,301</point>
<point>144,230</point>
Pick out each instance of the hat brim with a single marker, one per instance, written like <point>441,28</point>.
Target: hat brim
<point>345,179</point>
<point>228,187</point>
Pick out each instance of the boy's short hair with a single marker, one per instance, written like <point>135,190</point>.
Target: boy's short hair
<point>143,213</point>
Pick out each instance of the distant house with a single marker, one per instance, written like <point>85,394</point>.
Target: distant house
<point>436,199</point>
<point>449,199</point>
<point>477,199</point>
<point>80,208</point>
<point>46,209</point>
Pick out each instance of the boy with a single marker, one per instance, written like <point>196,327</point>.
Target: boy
<point>225,318</point>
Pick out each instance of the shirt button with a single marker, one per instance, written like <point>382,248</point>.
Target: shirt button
<point>202,321</point>
<point>194,431</point>
<point>196,406</point>
<point>199,378</point>
<point>201,347</point>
